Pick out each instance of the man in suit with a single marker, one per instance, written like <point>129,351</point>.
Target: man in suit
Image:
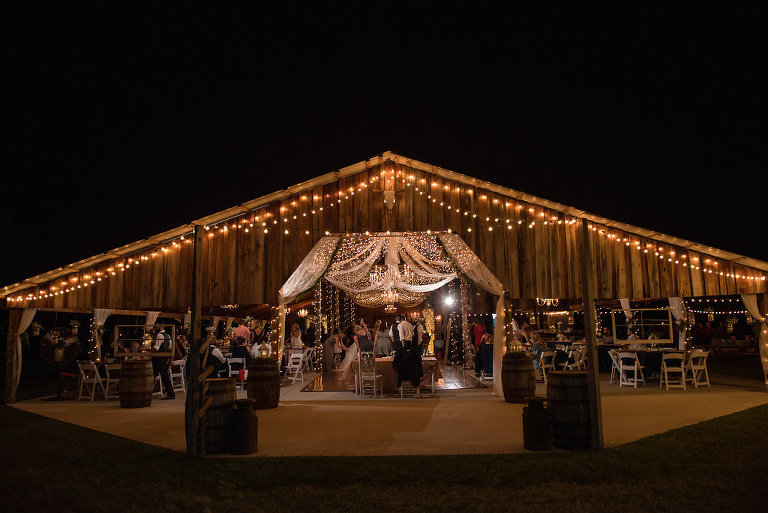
<point>394,333</point>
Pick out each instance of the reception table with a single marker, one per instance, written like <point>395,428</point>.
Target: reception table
<point>389,376</point>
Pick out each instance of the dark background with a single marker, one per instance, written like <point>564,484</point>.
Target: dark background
<point>123,122</point>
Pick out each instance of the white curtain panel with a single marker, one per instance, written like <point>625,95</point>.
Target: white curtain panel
<point>27,316</point>
<point>479,274</point>
<point>677,307</point>
<point>228,323</point>
<point>187,320</point>
<point>100,316</point>
<point>750,303</point>
<point>151,318</point>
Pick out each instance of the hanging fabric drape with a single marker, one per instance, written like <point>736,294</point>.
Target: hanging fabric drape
<point>677,307</point>
<point>228,324</point>
<point>100,316</point>
<point>750,303</point>
<point>480,276</point>
<point>624,302</point>
<point>410,264</point>
<point>187,320</point>
<point>151,318</point>
<point>27,316</point>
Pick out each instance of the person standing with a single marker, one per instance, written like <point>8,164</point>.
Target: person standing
<point>394,334</point>
<point>161,364</point>
<point>383,341</point>
<point>405,329</point>
<point>329,348</point>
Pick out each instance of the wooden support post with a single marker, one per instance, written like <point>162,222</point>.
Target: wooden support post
<point>595,410</point>
<point>194,425</point>
<point>11,355</point>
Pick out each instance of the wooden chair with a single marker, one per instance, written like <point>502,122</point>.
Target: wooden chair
<point>111,378</point>
<point>672,363</point>
<point>368,379</point>
<point>697,366</point>
<point>629,363</point>
<point>90,378</point>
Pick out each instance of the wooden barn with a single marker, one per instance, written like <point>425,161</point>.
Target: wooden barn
<point>248,251</point>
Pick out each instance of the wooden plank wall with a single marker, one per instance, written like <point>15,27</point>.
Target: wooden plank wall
<point>541,261</point>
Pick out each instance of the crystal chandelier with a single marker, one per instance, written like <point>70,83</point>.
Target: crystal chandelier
<point>390,308</point>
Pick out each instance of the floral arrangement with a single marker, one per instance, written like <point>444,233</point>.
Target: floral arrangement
<point>688,320</point>
<point>74,323</point>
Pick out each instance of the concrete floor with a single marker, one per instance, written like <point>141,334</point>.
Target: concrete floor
<point>452,422</point>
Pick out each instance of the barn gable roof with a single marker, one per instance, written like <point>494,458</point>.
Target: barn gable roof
<point>359,167</point>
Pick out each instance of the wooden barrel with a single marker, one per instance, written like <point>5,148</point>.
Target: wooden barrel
<point>218,417</point>
<point>245,428</point>
<point>264,383</point>
<point>568,400</point>
<point>518,379</point>
<point>136,383</point>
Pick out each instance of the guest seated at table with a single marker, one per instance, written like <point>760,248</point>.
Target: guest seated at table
<point>383,341</point>
<point>240,349</point>
<point>539,346</point>
<point>217,359</point>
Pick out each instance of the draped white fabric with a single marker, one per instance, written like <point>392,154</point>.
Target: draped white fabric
<point>27,316</point>
<point>229,322</point>
<point>151,318</point>
<point>677,307</point>
<point>187,320</point>
<point>624,302</point>
<point>750,303</point>
<point>100,316</point>
<point>412,264</point>
<point>477,273</point>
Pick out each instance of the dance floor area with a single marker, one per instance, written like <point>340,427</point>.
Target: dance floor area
<point>452,421</point>
<point>453,378</point>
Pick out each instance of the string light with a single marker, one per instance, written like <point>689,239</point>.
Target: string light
<point>245,221</point>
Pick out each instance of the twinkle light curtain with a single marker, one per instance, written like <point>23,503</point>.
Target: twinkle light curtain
<point>375,269</point>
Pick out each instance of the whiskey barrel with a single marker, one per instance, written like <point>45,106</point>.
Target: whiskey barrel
<point>568,399</point>
<point>136,383</point>
<point>218,417</point>
<point>517,377</point>
<point>264,383</point>
<point>245,428</point>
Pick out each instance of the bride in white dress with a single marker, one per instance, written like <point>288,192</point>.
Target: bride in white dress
<point>349,357</point>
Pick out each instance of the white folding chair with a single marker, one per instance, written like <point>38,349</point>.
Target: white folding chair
<point>629,363</point>
<point>235,373</point>
<point>112,378</point>
<point>310,359</point>
<point>547,363</point>
<point>673,363</point>
<point>89,376</point>
<point>178,379</point>
<point>697,365</point>
<point>295,367</point>
<point>369,380</point>
<point>615,367</point>
<point>577,354</point>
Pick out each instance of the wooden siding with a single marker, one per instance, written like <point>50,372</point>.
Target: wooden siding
<point>543,261</point>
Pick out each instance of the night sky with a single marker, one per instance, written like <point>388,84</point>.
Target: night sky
<point>126,123</point>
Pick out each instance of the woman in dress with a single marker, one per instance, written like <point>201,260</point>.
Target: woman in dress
<point>351,351</point>
<point>383,342</point>
<point>296,342</point>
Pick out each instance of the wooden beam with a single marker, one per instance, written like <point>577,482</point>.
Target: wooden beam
<point>593,377</point>
<point>11,355</point>
<point>194,426</point>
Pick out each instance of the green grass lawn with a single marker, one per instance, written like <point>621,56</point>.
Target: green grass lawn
<point>718,465</point>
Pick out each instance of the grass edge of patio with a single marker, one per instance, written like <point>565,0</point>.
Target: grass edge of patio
<point>717,464</point>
